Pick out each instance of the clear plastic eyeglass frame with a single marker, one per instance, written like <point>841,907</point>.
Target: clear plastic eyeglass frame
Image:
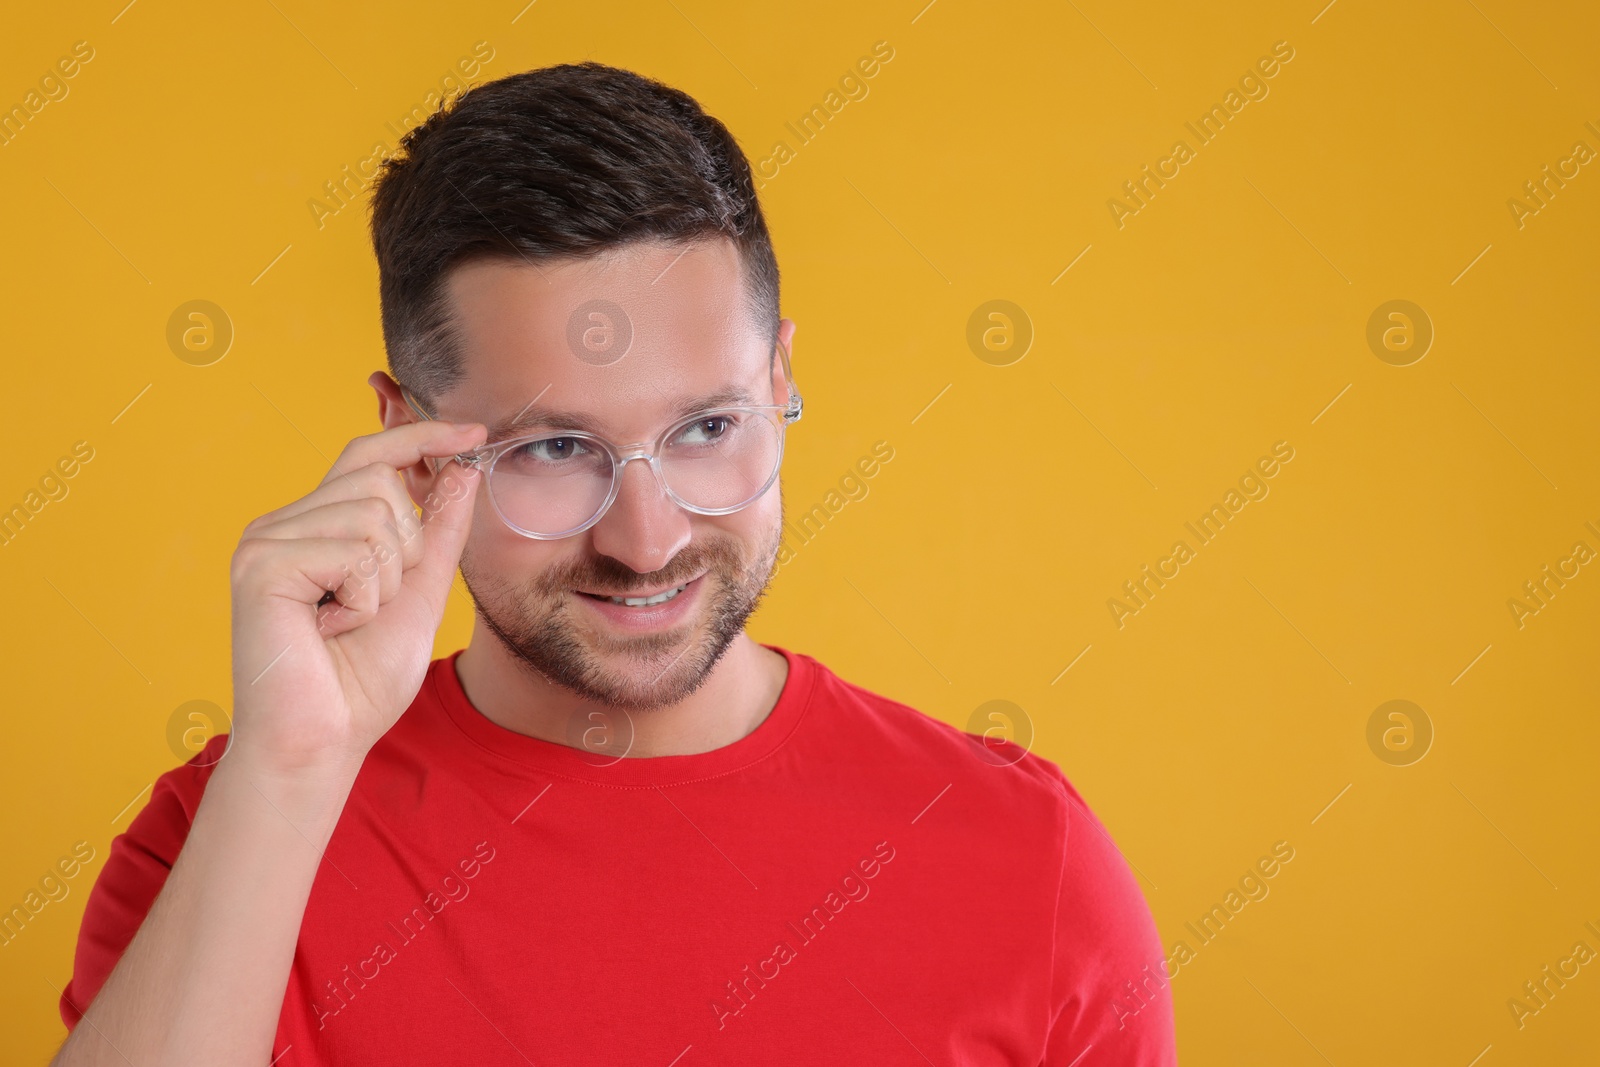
<point>484,457</point>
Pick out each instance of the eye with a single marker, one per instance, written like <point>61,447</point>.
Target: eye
<point>707,430</point>
<point>548,451</point>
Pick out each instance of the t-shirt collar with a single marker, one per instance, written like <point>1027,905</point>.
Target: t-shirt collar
<point>628,772</point>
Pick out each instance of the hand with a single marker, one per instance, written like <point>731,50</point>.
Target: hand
<point>317,681</point>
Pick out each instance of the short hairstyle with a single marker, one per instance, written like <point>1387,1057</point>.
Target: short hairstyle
<point>550,164</point>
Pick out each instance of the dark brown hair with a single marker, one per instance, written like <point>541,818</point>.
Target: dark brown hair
<point>555,163</point>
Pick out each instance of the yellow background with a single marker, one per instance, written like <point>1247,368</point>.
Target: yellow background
<point>1228,714</point>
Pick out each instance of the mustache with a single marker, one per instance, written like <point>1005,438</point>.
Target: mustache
<point>605,572</point>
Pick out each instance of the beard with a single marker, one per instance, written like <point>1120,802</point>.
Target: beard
<point>534,621</point>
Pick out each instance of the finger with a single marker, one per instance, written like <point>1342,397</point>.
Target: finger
<point>373,480</point>
<point>446,520</point>
<point>302,571</point>
<point>368,519</point>
<point>407,445</point>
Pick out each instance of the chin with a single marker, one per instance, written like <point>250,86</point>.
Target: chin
<point>541,626</point>
<point>654,671</point>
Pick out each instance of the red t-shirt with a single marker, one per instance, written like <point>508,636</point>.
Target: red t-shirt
<point>852,882</point>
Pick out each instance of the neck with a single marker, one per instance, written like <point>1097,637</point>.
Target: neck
<point>738,694</point>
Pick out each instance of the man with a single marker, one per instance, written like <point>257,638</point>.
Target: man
<point>614,828</point>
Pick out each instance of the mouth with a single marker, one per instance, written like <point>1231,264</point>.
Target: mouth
<point>645,611</point>
<point>640,599</point>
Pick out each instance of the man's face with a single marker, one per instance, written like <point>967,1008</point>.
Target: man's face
<point>691,337</point>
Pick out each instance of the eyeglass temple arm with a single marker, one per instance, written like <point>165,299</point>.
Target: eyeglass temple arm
<point>791,413</point>
<point>466,459</point>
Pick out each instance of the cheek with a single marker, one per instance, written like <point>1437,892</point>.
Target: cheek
<point>498,556</point>
<point>759,521</point>
<point>486,524</point>
<point>746,537</point>
<point>491,539</point>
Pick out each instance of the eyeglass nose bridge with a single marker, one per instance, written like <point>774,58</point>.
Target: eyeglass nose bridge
<point>621,456</point>
<point>630,452</point>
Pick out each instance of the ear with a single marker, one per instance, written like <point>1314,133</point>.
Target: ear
<point>392,408</point>
<point>394,411</point>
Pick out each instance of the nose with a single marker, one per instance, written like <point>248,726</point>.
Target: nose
<point>643,528</point>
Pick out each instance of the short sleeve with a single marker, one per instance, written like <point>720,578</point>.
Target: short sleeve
<point>135,870</point>
<point>1109,989</point>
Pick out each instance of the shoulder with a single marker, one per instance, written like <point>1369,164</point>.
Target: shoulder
<point>989,754</point>
<point>1022,802</point>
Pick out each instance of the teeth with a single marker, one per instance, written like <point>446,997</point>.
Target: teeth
<point>650,601</point>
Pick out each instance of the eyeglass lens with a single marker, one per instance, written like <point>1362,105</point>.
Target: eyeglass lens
<point>716,461</point>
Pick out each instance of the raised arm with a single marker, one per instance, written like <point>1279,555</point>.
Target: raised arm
<point>315,686</point>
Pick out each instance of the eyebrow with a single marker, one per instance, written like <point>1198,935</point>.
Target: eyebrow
<point>536,417</point>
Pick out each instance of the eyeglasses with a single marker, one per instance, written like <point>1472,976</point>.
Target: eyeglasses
<point>559,483</point>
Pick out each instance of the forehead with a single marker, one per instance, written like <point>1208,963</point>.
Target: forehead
<point>622,336</point>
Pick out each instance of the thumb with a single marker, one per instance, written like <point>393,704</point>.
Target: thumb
<point>446,520</point>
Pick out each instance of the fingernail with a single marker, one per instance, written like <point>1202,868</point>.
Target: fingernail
<point>464,426</point>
